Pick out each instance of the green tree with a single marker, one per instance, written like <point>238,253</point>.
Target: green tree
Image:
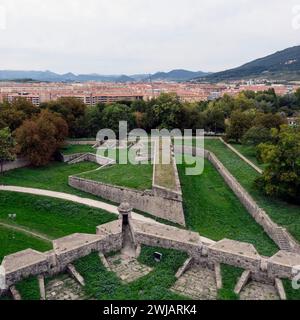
<point>7,152</point>
<point>269,120</point>
<point>14,113</point>
<point>165,112</point>
<point>40,137</point>
<point>114,113</point>
<point>70,109</point>
<point>240,122</point>
<point>281,178</point>
<point>256,135</point>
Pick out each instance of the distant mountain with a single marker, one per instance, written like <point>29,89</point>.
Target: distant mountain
<point>178,75</point>
<point>175,75</point>
<point>68,77</point>
<point>282,65</point>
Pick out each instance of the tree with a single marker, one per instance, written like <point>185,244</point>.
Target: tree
<point>70,109</point>
<point>165,112</point>
<point>281,178</point>
<point>269,120</point>
<point>40,137</point>
<point>214,119</point>
<point>7,152</point>
<point>114,113</point>
<point>256,135</point>
<point>240,122</point>
<point>14,113</point>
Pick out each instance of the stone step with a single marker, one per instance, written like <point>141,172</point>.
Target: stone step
<point>71,269</point>
<point>41,281</point>
<point>280,289</point>
<point>15,293</point>
<point>242,281</point>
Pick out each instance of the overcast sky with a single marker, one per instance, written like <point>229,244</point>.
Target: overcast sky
<point>141,36</point>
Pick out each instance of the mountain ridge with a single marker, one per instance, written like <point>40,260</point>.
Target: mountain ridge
<point>173,75</point>
<point>281,65</point>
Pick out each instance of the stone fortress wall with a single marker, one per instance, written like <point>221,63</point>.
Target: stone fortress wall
<point>109,238</point>
<point>161,206</point>
<point>159,201</point>
<point>278,234</point>
<point>12,165</point>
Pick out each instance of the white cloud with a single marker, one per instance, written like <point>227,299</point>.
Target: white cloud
<point>129,36</point>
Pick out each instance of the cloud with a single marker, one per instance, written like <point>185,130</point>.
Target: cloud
<point>130,36</point>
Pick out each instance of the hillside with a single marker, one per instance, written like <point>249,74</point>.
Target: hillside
<point>178,75</point>
<point>282,65</point>
<point>175,75</point>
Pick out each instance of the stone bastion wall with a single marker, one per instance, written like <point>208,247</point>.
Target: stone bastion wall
<point>278,234</point>
<point>109,238</point>
<point>159,201</point>
<point>165,207</point>
<point>11,165</point>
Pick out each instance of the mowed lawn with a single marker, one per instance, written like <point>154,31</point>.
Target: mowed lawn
<point>53,218</point>
<point>213,210</point>
<point>249,152</point>
<point>51,177</point>
<point>14,241</point>
<point>80,148</point>
<point>128,175</point>
<point>283,213</point>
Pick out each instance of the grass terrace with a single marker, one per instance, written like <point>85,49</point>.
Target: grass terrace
<point>130,176</point>
<point>283,213</point>
<point>80,148</point>
<point>51,177</point>
<point>164,173</point>
<point>53,218</point>
<point>213,210</point>
<point>13,241</point>
<point>249,152</point>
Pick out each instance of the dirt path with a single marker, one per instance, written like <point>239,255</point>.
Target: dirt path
<point>26,231</point>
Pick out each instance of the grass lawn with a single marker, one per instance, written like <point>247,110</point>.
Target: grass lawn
<point>13,241</point>
<point>80,148</point>
<point>283,213</point>
<point>213,210</point>
<point>249,152</point>
<point>291,293</point>
<point>230,277</point>
<point>51,217</point>
<point>51,177</point>
<point>104,285</point>
<point>29,289</point>
<point>129,175</point>
<point>164,176</point>
<point>164,173</point>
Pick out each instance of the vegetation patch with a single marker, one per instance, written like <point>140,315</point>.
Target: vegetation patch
<point>230,277</point>
<point>129,175</point>
<point>29,289</point>
<point>249,152</point>
<point>51,177</point>
<point>164,173</point>
<point>104,285</point>
<point>291,293</point>
<point>52,217</point>
<point>283,213</point>
<point>213,210</point>
<point>80,148</point>
<point>14,241</point>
